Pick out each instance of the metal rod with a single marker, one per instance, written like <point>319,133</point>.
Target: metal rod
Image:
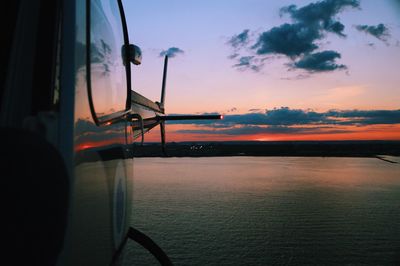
<point>189,117</point>
<point>164,81</point>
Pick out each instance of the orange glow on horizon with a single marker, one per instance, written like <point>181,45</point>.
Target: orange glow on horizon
<point>94,144</point>
<point>372,132</point>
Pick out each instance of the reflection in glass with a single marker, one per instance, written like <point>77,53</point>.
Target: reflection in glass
<point>108,76</point>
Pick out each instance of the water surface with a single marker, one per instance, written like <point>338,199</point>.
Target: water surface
<point>268,210</point>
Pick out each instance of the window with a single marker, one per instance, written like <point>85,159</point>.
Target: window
<point>108,81</point>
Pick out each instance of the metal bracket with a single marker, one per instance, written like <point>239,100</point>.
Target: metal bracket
<point>140,119</point>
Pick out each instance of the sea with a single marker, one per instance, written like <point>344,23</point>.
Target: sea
<point>268,210</point>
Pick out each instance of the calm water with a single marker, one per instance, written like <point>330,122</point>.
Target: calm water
<point>268,210</point>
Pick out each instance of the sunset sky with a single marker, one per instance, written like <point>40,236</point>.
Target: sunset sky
<point>277,70</point>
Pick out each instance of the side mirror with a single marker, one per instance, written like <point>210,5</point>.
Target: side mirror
<point>132,54</point>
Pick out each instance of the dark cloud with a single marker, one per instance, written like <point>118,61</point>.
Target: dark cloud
<point>255,110</point>
<point>171,52</point>
<point>250,130</point>
<point>233,109</point>
<point>299,40</point>
<point>288,39</point>
<point>321,14</point>
<point>379,31</point>
<point>276,117</point>
<point>310,24</point>
<point>337,28</point>
<point>285,116</point>
<point>239,40</point>
<point>295,121</point>
<point>318,62</point>
<point>370,117</point>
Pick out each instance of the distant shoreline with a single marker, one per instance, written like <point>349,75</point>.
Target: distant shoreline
<point>275,148</point>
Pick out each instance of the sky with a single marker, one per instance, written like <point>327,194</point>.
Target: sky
<point>277,70</point>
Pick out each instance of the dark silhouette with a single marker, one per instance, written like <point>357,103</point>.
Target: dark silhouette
<point>34,184</point>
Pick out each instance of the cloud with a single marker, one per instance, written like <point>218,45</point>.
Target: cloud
<point>288,39</point>
<point>255,110</point>
<point>233,56</point>
<point>369,117</point>
<point>297,77</point>
<point>310,24</point>
<point>275,117</point>
<point>318,62</point>
<point>298,40</point>
<point>251,130</point>
<point>321,14</point>
<point>233,109</point>
<point>293,121</point>
<point>240,39</point>
<point>379,31</point>
<point>244,61</point>
<point>249,62</point>
<point>285,116</point>
<point>171,52</point>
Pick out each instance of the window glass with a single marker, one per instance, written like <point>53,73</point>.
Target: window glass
<point>108,74</point>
